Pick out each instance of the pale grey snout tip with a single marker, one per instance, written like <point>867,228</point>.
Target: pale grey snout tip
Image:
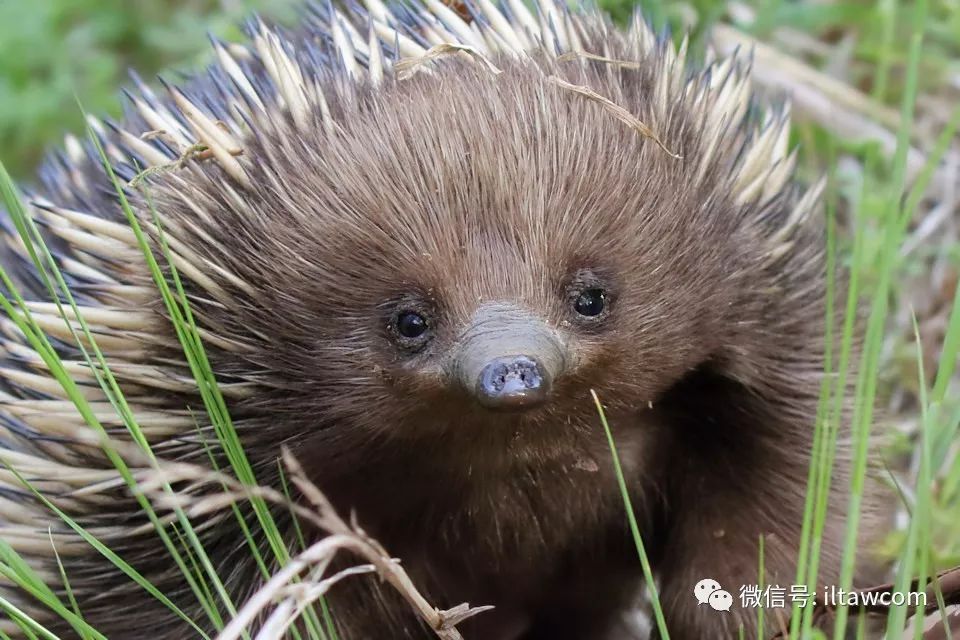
<point>512,383</point>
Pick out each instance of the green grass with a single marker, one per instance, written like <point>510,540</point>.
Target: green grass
<point>903,55</point>
<point>632,519</point>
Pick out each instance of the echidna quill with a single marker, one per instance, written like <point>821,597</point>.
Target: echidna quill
<point>414,241</point>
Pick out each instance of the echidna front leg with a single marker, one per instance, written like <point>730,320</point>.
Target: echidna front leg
<point>738,472</point>
<point>713,546</point>
<point>719,539</point>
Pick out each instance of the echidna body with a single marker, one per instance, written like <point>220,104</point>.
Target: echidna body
<point>415,281</point>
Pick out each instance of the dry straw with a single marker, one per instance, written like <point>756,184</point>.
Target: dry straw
<point>301,582</point>
<point>614,110</point>
<point>409,66</point>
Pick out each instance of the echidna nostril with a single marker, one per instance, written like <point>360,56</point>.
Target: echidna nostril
<point>513,382</point>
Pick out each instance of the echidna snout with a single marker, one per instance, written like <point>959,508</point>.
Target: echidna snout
<point>508,358</point>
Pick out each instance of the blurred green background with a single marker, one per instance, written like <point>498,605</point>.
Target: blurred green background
<point>54,52</point>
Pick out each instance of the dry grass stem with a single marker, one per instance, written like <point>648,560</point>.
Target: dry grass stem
<point>409,66</point>
<point>286,591</point>
<point>198,151</point>
<point>583,55</point>
<point>614,110</point>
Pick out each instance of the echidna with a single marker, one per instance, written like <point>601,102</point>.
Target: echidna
<point>415,239</point>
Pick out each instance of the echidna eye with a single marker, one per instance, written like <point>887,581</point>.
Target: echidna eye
<point>411,324</point>
<point>590,302</point>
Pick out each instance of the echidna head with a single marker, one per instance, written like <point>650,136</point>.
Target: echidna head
<point>468,243</point>
<point>406,259</point>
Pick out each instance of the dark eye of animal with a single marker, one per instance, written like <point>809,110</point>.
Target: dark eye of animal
<point>411,325</point>
<point>590,302</point>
